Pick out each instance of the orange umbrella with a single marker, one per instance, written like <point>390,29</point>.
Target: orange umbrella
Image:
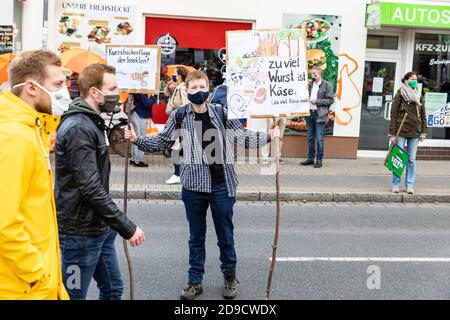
<point>5,60</point>
<point>76,59</point>
<point>171,68</point>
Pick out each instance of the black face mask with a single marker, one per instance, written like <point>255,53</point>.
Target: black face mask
<point>111,102</point>
<point>198,98</point>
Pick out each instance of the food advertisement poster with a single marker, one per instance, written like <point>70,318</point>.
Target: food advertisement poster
<point>137,67</point>
<point>323,34</point>
<point>89,25</point>
<point>266,73</point>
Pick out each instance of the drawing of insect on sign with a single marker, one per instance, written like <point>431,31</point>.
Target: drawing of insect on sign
<point>267,73</point>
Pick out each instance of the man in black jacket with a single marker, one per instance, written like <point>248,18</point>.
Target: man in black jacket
<point>321,98</point>
<point>88,219</point>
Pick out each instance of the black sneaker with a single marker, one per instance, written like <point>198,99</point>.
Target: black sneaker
<point>318,164</point>
<point>141,165</point>
<point>192,291</point>
<point>229,286</point>
<point>308,162</point>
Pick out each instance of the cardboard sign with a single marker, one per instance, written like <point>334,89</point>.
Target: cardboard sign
<point>137,67</point>
<point>267,73</point>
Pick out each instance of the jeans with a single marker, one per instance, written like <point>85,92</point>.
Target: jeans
<point>140,126</point>
<point>177,170</point>
<point>87,257</point>
<point>196,205</point>
<point>315,133</point>
<point>411,147</point>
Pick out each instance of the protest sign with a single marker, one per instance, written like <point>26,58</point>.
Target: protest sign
<point>267,73</point>
<point>397,161</point>
<point>137,67</point>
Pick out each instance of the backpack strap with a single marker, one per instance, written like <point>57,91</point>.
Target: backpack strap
<point>179,116</point>
<point>221,114</point>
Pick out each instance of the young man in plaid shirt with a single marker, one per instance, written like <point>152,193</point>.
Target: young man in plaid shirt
<point>208,177</point>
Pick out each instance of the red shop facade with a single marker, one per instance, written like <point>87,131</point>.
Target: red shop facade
<point>196,43</point>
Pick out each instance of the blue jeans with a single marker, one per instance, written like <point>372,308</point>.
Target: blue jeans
<point>87,257</point>
<point>196,205</point>
<point>315,134</point>
<point>411,147</point>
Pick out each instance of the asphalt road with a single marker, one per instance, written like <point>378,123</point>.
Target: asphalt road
<point>354,233</point>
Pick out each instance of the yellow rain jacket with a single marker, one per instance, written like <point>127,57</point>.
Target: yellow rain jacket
<point>29,243</point>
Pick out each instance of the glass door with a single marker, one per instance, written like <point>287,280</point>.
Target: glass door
<point>380,84</point>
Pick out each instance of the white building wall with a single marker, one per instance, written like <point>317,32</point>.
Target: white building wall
<point>267,14</point>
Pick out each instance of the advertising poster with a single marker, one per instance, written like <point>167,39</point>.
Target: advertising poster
<point>266,73</point>
<point>323,34</point>
<point>137,67</point>
<point>86,25</point>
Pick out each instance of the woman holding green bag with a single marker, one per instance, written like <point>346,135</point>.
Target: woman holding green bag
<point>408,100</point>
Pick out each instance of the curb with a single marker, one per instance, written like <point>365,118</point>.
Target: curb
<point>295,196</point>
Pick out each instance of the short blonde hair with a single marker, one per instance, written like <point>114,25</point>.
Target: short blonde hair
<point>196,75</point>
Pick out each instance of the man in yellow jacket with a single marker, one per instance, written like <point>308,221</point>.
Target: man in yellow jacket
<point>29,246</point>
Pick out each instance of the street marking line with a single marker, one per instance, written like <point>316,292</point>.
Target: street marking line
<point>359,259</point>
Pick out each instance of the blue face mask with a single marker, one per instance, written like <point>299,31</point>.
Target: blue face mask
<point>199,97</point>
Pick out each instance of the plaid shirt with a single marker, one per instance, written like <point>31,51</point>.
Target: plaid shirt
<point>195,174</point>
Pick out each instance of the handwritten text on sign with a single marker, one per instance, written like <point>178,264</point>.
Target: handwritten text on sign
<point>137,68</point>
<point>266,73</point>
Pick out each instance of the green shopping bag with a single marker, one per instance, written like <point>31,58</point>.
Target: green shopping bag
<point>397,160</point>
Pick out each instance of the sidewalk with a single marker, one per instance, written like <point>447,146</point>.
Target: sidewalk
<point>361,180</point>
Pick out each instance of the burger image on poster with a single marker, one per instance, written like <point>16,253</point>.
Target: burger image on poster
<point>238,106</point>
<point>316,58</point>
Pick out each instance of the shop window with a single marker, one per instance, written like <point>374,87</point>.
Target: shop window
<point>432,63</point>
<point>198,43</point>
<point>382,42</point>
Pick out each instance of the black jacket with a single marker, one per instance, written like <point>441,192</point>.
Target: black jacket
<point>82,170</point>
<point>325,99</point>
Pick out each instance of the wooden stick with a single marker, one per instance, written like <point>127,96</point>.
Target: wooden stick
<point>125,211</point>
<point>396,137</point>
<point>277,224</point>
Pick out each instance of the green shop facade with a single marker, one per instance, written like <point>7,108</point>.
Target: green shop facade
<point>403,37</point>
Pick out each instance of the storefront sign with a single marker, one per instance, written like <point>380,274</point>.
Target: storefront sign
<point>80,24</point>
<point>438,110</point>
<point>440,118</point>
<point>435,101</point>
<point>6,39</point>
<point>168,44</point>
<point>267,73</point>
<point>137,67</point>
<point>404,14</point>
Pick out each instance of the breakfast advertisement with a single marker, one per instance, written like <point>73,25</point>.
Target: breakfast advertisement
<point>266,73</point>
<point>92,26</point>
<point>323,34</point>
<point>137,67</point>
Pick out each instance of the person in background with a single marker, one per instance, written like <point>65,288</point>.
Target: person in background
<point>73,85</point>
<point>139,118</point>
<point>179,98</point>
<point>321,98</point>
<point>408,100</point>
<point>30,265</point>
<point>265,151</point>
